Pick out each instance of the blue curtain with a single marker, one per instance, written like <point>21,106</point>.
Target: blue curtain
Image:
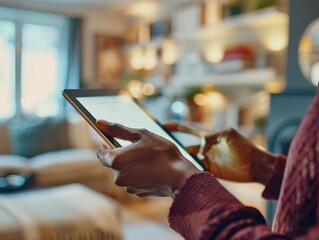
<point>74,60</point>
<point>74,54</point>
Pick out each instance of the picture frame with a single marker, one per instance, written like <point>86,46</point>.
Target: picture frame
<point>109,60</point>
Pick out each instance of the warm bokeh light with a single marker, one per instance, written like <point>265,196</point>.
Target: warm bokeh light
<point>148,89</point>
<point>213,53</point>
<point>200,99</point>
<point>150,57</point>
<point>139,90</point>
<point>143,9</point>
<point>137,58</point>
<point>276,86</point>
<point>169,52</point>
<point>143,59</point>
<point>216,100</point>
<point>305,45</point>
<point>135,88</point>
<point>276,40</point>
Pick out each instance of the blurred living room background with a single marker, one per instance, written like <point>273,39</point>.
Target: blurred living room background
<point>212,63</point>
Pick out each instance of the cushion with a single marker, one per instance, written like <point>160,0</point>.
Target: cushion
<point>67,166</point>
<point>31,137</point>
<point>67,212</point>
<point>15,173</point>
<point>77,166</point>
<point>13,163</point>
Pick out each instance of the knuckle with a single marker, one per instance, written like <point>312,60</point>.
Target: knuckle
<point>173,150</point>
<point>130,190</point>
<point>115,127</point>
<point>119,182</point>
<point>116,162</point>
<point>231,135</point>
<point>105,158</point>
<point>231,132</point>
<point>143,131</point>
<point>141,195</point>
<point>171,147</point>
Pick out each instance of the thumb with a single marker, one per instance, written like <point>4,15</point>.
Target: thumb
<point>184,128</point>
<point>192,149</point>
<point>118,131</point>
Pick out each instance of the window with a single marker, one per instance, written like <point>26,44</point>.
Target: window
<point>7,70</point>
<point>33,57</point>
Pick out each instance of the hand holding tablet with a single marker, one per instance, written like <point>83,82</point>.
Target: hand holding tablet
<point>150,166</point>
<point>146,160</point>
<point>114,106</point>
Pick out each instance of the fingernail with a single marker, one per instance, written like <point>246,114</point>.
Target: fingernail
<point>98,154</point>
<point>101,147</point>
<point>101,122</point>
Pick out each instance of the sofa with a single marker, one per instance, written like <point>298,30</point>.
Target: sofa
<point>53,152</point>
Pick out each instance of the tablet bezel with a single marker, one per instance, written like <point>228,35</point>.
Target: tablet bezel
<point>71,96</point>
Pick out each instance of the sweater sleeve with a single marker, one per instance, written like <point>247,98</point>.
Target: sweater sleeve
<point>273,185</point>
<point>203,209</point>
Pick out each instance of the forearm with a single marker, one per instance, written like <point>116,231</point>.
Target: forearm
<point>203,209</point>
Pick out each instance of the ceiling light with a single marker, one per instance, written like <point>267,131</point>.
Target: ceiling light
<point>144,9</point>
<point>169,52</point>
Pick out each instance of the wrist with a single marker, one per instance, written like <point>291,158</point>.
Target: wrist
<point>265,167</point>
<point>183,170</point>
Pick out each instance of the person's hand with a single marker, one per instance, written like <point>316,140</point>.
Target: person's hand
<point>150,166</point>
<point>229,155</point>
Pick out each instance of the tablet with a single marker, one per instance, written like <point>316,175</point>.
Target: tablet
<point>115,105</point>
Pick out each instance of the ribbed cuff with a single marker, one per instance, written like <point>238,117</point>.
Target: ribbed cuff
<point>273,185</point>
<point>200,195</point>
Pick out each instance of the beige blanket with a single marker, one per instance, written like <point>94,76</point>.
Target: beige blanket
<point>67,212</point>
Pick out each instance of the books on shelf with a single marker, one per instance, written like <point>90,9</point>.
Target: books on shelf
<point>235,59</point>
<point>233,65</point>
<point>240,51</point>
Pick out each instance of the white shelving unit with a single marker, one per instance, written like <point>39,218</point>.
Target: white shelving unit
<point>238,26</point>
<point>240,87</point>
<point>257,76</point>
<point>250,28</point>
<point>251,77</point>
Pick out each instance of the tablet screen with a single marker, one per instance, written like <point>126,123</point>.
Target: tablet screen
<point>122,109</point>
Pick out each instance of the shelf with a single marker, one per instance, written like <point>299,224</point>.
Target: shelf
<point>252,23</point>
<point>248,78</point>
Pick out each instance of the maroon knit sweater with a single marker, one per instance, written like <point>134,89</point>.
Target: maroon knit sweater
<point>203,209</point>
